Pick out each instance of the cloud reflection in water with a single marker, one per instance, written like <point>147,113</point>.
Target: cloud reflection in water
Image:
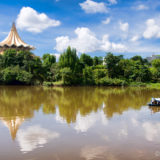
<point>90,152</point>
<point>83,123</point>
<point>152,131</point>
<point>34,137</point>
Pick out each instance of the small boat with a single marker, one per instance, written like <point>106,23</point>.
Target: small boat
<point>155,102</point>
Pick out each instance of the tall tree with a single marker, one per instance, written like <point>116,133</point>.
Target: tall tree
<point>48,60</point>
<point>86,60</point>
<point>112,63</point>
<point>69,59</point>
<point>97,60</point>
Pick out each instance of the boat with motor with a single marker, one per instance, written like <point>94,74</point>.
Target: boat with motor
<point>154,102</point>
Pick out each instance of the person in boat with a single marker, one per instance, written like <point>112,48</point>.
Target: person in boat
<point>155,101</point>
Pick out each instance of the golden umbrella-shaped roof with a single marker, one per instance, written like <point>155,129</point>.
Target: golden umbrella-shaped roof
<point>13,40</point>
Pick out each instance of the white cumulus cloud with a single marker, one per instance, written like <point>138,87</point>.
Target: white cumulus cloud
<point>106,45</point>
<point>113,1</point>
<point>124,26</point>
<point>135,38</point>
<point>152,30</point>
<point>106,21</point>
<point>32,21</point>
<point>86,41</point>
<point>90,6</point>
<point>142,7</point>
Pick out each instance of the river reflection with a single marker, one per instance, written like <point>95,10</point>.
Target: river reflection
<point>82,123</point>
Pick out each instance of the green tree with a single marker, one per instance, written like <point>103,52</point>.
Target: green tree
<point>48,60</point>
<point>15,75</point>
<point>37,71</point>
<point>9,58</point>
<point>140,73</point>
<point>55,72</point>
<point>156,63</point>
<point>134,70</point>
<point>21,61</point>
<point>88,75</point>
<point>112,63</point>
<point>97,60</point>
<point>69,59</point>
<point>86,60</point>
<point>126,69</point>
<point>155,70</point>
<point>66,75</point>
<point>99,72</point>
<point>140,59</point>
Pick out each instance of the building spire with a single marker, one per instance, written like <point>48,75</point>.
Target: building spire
<point>13,26</point>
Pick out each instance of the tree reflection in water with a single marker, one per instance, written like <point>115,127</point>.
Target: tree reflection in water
<point>19,103</point>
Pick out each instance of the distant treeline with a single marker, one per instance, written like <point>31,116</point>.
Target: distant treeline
<point>23,67</point>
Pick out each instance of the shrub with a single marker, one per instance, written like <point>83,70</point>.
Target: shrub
<point>66,75</point>
<point>98,74</point>
<point>112,82</point>
<point>138,84</point>
<point>47,83</point>
<point>12,75</point>
<point>88,75</point>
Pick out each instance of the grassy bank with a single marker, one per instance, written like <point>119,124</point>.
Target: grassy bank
<point>147,85</point>
<point>133,84</point>
<point>153,85</point>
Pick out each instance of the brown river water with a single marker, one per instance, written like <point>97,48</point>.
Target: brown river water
<point>78,123</point>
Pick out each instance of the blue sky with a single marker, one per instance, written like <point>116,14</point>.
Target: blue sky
<point>95,27</point>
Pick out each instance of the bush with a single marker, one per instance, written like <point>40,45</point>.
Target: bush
<point>98,74</point>
<point>112,82</point>
<point>66,75</point>
<point>137,84</point>
<point>88,76</point>
<point>24,77</point>
<point>15,75</point>
<point>47,84</point>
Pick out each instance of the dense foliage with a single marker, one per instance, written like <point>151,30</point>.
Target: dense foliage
<point>23,67</point>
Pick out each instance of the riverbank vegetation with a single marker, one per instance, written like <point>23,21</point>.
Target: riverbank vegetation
<point>23,67</point>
